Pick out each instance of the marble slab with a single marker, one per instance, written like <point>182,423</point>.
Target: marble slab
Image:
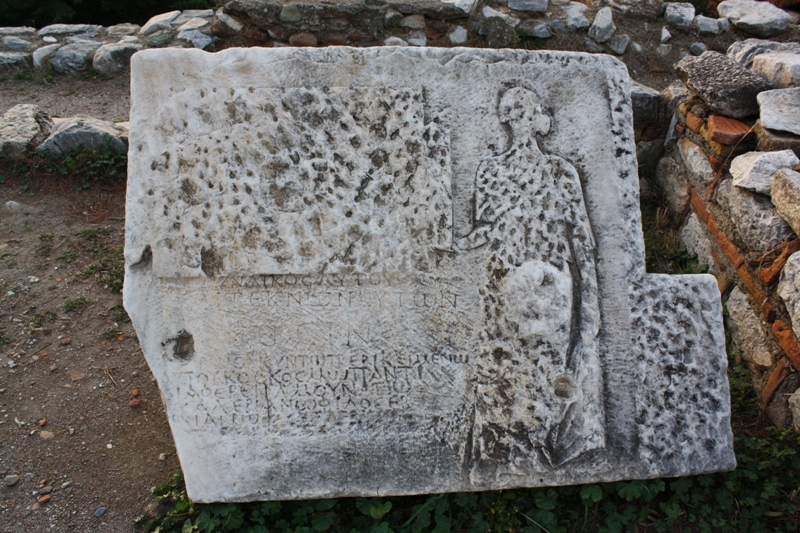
<point>385,271</point>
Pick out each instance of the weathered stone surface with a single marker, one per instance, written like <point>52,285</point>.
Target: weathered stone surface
<point>754,170</point>
<point>41,56</point>
<point>780,110</point>
<point>14,61</point>
<point>602,27</point>
<point>459,35</point>
<point>789,289</point>
<point>643,9</point>
<point>619,43</point>
<point>785,190</point>
<point>706,25</point>
<point>697,240</point>
<point>665,35</point>
<point>532,6</point>
<point>161,38</point>
<point>85,133</point>
<point>679,14</point>
<point>414,22</point>
<point>20,31</point>
<point>756,219</point>
<point>121,30</point>
<point>770,141</point>
<point>534,28</point>
<point>200,40</point>
<point>13,42</point>
<point>696,161</point>
<point>387,266</point>
<point>159,22</point>
<point>75,57</point>
<point>22,128</point>
<point>726,86</point>
<point>698,48</point>
<point>489,13</point>
<point>88,30</point>
<point>645,102</point>
<point>782,69</point>
<point>745,52</point>
<point>574,13</point>
<point>193,24</point>
<point>189,14</point>
<point>498,33</point>
<point>113,58</point>
<point>746,330</point>
<point>230,23</point>
<point>759,18</point>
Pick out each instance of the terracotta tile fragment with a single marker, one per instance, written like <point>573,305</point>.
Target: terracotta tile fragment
<point>728,131</point>
<point>693,122</point>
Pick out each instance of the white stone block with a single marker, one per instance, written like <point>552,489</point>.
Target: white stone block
<point>430,257</point>
<point>754,170</point>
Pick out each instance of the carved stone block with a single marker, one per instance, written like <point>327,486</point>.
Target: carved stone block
<point>399,271</point>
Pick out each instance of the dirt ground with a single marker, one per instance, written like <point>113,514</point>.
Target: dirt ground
<point>69,368</point>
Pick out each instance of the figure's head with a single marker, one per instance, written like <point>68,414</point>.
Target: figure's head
<point>520,107</point>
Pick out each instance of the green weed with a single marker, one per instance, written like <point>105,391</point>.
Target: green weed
<point>45,246</point>
<point>74,305</point>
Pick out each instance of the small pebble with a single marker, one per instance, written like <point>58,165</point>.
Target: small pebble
<point>43,421</point>
<point>66,484</point>
<point>10,481</point>
<point>65,341</point>
<point>134,403</point>
<point>47,435</point>
<point>47,489</point>
<point>135,392</point>
<point>162,457</point>
<point>44,499</point>
<point>100,512</point>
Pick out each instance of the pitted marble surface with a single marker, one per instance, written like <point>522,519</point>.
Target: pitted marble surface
<point>401,271</point>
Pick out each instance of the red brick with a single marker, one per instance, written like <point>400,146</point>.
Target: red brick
<point>693,122</point>
<point>728,131</point>
<point>303,38</point>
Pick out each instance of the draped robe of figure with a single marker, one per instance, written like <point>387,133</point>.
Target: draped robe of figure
<point>539,385</point>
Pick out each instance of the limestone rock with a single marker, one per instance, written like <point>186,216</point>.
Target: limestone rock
<point>641,9</point>
<point>229,23</point>
<point>770,141</point>
<point>75,57</point>
<point>10,61</point>
<point>87,30</point>
<point>698,241</point>
<point>532,6</point>
<point>780,110</point>
<point>602,27</point>
<point>193,24</point>
<point>490,13</point>
<point>190,14</point>
<point>400,233</point>
<point>593,47</point>
<point>746,330</point>
<point>394,41</point>
<point>84,133</point>
<point>159,22</point>
<point>534,28</point>
<point>698,48</point>
<point>619,43</point>
<point>41,56</point>
<point>696,161</point>
<point>414,22</point>
<point>113,58</point>
<point>13,42</point>
<point>498,33</point>
<point>782,69</point>
<point>418,38</point>
<point>121,30</point>
<point>574,13</point>
<point>459,35</point>
<point>754,170</point>
<point>26,32</point>
<point>161,38</point>
<point>726,86</point>
<point>466,6</point>
<point>22,128</point>
<point>706,25</point>
<point>202,41</point>
<point>789,289</point>
<point>665,35</point>
<point>679,14</point>
<point>745,52</point>
<point>756,219</point>
<point>645,102</point>
<point>759,18</point>
<point>785,189</point>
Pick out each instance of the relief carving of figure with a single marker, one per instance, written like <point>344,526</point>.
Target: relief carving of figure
<point>539,389</point>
